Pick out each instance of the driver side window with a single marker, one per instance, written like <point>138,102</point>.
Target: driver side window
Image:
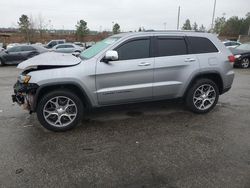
<point>136,49</point>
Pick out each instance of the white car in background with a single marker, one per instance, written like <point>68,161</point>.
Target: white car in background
<point>231,44</point>
<point>11,45</point>
<point>67,48</point>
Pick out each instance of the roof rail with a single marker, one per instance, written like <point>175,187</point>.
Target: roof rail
<point>152,30</point>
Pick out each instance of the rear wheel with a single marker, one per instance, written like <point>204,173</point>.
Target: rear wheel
<point>59,110</point>
<point>245,62</point>
<point>202,96</point>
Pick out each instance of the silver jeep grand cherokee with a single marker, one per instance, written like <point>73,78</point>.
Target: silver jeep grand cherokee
<point>125,68</point>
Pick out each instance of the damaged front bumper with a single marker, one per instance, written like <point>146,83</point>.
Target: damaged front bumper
<point>24,95</point>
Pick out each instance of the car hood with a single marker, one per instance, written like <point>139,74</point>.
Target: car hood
<point>50,59</point>
<point>236,51</point>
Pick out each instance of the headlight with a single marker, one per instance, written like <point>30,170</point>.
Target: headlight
<point>237,56</point>
<point>24,78</point>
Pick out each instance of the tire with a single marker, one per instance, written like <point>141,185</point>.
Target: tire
<point>202,102</point>
<point>1,62</point>
<point>60,110</point>
<point>244,63</point>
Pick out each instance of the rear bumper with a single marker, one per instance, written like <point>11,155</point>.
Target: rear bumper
<point>24,95</point>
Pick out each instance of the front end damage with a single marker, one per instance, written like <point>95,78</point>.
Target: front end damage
<point>24,95</point>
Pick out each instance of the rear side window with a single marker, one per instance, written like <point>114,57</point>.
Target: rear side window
<point>201,45</point>
<point>69,46</point>
<point>136,49</point>
<point>27,48</point>
<point>15,49</point>
<point>171,46</point>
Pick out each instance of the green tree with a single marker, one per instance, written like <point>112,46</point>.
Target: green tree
<point>245,25</point>
<point>232,26</point>
<point>24,26</point>
<point>139,30</point>
<point>219,24</point>
<point>116,28</point>
<point>81,29</point>
<point>202,28</point>
<point>187,25</point>
<point>195,27</point>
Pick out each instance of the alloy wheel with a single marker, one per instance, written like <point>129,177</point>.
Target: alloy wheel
<point>245,63</point>
<point>60,111</point>
<point>204,97</point>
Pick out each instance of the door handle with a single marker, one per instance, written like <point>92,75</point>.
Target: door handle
<point>189,60</point>
<point>144,64</point>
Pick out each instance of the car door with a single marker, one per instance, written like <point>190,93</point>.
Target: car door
<point>129,78</point>
<point>12,54</point>
<point>27,52</point>
<point>173,66</point>
<point>69,48</point>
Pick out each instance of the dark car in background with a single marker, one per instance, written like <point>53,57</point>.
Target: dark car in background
<point>20,53</point>
<point>242,55</point>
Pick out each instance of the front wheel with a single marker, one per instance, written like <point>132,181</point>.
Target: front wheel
<point>202,96</point>
<point>59,110</point>
<point>1,62</point>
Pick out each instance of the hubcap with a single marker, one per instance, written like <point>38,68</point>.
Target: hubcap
<point>60,111</point>
<point>245,63</point>
<point>204,97</point>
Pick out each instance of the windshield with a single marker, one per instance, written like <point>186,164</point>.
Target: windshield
<point>98,47</point>
<point>244,47</point>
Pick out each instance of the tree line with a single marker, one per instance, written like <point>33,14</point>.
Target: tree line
<point>232,26</point>
<point>29,26</point>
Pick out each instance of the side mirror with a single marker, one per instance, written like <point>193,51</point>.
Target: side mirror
<point>6,51</point>
<point>111,55</point>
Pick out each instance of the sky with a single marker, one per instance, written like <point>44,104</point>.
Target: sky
<point>130,14</point>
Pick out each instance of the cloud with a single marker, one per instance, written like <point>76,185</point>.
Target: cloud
<point>130,14</point>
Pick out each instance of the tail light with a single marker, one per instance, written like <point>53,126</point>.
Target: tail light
<point>231,59</point>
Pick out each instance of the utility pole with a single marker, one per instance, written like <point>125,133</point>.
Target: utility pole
<point>249,30</point>
<point>212,26</point>
<point>165,26</point>
<point>178,19</point>
<point>113,23</point>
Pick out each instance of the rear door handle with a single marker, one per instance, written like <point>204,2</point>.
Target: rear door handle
<point>189,60</point>
<point>144,64</point>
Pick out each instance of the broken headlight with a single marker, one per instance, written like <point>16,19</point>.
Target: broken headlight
<point>24,79</point>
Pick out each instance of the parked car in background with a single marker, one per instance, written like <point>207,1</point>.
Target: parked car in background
<point>231,44</point>
<point>11,45</point>
<point>20,53</point>
<point>80,44</point>
<point>242,55</point>
<point>89,44</point>
<point>67,48</point>
<point>53,43</point>
<point>125,68</point>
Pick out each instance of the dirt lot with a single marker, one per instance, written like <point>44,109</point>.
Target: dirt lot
<point>142,145</point>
